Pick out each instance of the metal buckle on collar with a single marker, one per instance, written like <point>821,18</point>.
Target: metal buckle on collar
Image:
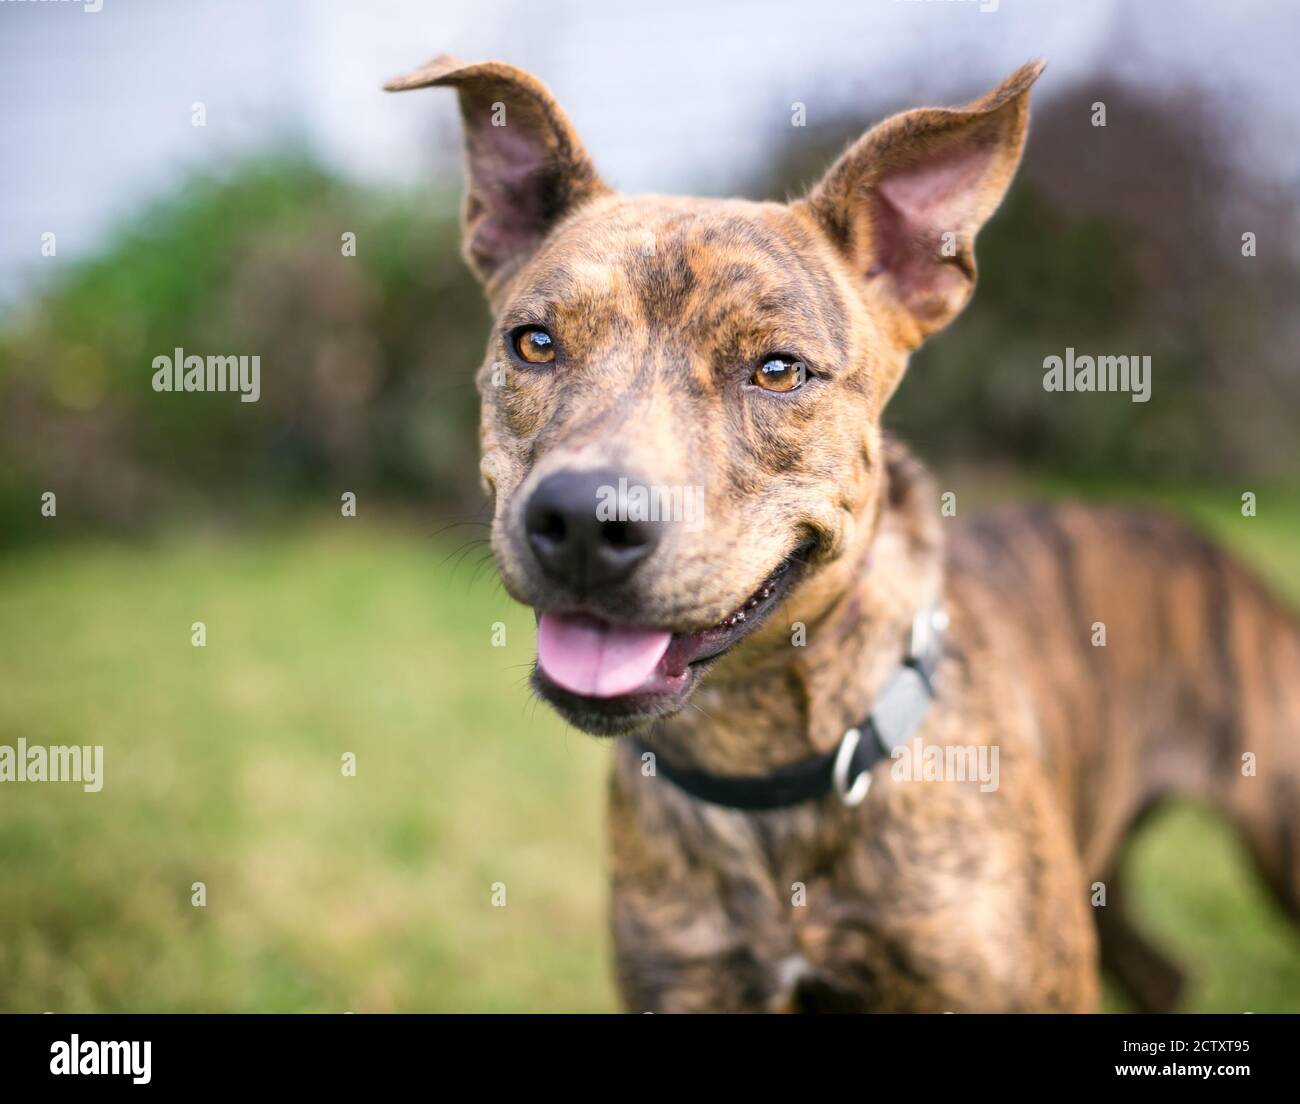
<point>899,709</point>
<point>850,793</point>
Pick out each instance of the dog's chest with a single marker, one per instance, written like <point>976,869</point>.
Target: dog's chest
<point>815,935</point>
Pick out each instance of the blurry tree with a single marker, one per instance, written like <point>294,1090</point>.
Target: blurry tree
<point>366,361</point>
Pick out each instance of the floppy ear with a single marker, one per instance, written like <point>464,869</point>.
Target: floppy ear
<point>905,202</point>
<point>526,168</point>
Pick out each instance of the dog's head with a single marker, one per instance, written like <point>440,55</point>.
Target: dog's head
<point>682,397</point>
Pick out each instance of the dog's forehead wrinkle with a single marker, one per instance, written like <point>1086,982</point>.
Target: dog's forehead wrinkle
<point>642,228</point>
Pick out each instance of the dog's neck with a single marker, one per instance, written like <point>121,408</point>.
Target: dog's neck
<point>762,709</point>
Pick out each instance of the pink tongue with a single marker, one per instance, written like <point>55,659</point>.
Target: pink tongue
<point>596,660</point>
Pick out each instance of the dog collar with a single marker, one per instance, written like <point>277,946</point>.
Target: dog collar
<point>896,715</point>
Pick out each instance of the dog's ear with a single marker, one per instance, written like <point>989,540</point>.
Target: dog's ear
<point>526,168</point>
<point>905,202</point>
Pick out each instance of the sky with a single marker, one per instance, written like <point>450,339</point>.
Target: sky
<point>674,95</point>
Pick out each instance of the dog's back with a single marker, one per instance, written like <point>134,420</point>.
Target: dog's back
<point>1157,666</point>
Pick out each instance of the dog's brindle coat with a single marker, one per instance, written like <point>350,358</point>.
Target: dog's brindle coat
<point>930,896</point>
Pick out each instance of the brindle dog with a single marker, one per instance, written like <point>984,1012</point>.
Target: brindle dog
<point>750,349</point>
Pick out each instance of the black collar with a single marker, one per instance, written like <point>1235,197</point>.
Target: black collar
<point>896,715</point>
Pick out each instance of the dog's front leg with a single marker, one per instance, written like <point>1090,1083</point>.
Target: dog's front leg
<point>690,936</point>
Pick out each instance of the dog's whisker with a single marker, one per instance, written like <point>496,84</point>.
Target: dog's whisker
<point>461,552</point>
<point>470,542</point>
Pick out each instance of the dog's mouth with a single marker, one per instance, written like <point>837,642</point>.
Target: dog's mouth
<point>609,678</point>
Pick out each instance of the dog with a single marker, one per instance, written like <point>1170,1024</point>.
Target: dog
<point>767,668</point>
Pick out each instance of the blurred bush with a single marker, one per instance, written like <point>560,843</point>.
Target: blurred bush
<point>366,360</point>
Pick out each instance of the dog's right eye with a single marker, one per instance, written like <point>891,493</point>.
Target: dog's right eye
<point>779,373</point>
<point>533,344</point>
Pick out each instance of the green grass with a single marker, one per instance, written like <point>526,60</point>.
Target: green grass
<point>1196,893</point>
<point>371,893</point>
<point>223,765</point>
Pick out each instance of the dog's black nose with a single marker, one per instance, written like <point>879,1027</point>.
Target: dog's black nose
<point>579,528</point>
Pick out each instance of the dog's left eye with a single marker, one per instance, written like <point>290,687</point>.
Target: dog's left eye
<point>534,345</point>
<point>779,373</point>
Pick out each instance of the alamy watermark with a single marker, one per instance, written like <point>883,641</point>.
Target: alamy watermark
<point>984,5</point>
<point>215,373</point>
<point>653,502</point>
<point>88,6</point>
<point>1102,373</point>
<point>917,761</point>
<point>57,763</point>
<point>89,1057</point>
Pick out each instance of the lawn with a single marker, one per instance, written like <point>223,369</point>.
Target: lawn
<point>223,764</point>
<point>327,892</point>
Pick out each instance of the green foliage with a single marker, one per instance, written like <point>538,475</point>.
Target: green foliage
<point>366,360</point>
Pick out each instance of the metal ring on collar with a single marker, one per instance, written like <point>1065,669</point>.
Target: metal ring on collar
<point>850,793</point>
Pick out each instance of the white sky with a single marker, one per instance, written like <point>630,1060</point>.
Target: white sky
<point>670,95</point>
